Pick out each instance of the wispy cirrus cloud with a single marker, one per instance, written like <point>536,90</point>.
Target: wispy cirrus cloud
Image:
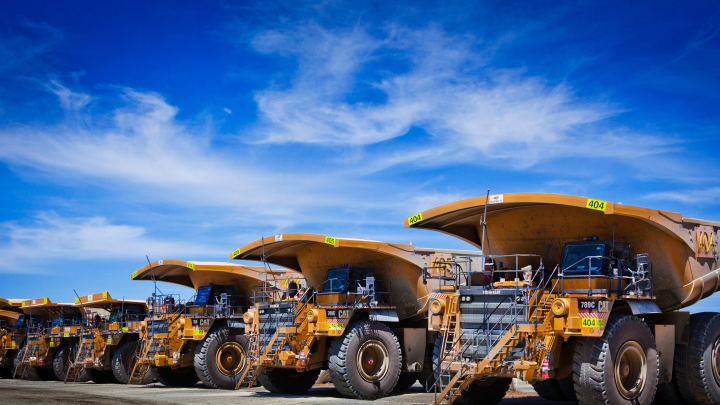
<point>444,84</point>
<point>697,196</point>
<point>48,238</point>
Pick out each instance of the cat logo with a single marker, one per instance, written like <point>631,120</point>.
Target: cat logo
<point>604,306</point>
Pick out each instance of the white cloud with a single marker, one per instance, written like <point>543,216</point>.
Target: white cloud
<point>143,151</point>
<point>227,110</point>
<point>436,82</point>
<point>700,196</point>
<point>49,238</point>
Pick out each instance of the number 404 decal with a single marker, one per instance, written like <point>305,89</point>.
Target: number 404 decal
<point>596,204</point>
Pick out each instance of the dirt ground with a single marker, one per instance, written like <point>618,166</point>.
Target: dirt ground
<point>20,392</point>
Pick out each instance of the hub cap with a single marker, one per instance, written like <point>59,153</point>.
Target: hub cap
<point>716,360</point>
<point>630,370</point>
<point>230,358</point>
<point>372,361</point>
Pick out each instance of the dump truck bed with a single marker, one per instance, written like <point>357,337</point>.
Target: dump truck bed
<point>682,249</point>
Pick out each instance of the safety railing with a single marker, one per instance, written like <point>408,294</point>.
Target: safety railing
<point>638,281</point>
<point>370,292</point>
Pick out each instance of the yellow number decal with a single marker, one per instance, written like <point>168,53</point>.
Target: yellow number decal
<point>44,300</point>
<point>329,240</point>
<point>236,253</point>
<point>190,265</point>
<point>593,323</point>
<point>104,295</point>
<point>198,332</point>
<point>24,303</point>
<point>66,335</point>
<point>415,219</point>
<point>52,344</point>
<point>124,329</point>
<point>77,300</point>
<point>14,344</point>
<point>132,276</point>
<point>109,341</point>
<point>596,204</point>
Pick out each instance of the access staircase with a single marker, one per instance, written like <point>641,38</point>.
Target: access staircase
<point>32,349</point>
<point>75,367</point>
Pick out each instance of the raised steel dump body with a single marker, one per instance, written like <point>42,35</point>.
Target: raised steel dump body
<point>399,266</point>
<point>682,250</point>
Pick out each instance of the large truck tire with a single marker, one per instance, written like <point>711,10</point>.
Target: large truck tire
<point>365,361</point>
<point>697,365</point>
<point>124,360</point>
<point>221,358</point>
<point>487,392</point>
<point>428,365</point>
<point>101,376</point>
<point>180,377</point>
<point>6,372</point>
<point>406,381</point>
<point>31,373</point>
<point>62,360</point>
<point>567,385</point>
<point>620,367</point>
<point>287,381</point>
<point>550,390</point>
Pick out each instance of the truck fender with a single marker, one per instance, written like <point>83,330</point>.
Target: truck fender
<point>642,307</point>
<point>383,315</point>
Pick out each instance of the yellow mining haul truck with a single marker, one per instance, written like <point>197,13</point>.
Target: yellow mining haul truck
<point>579,297</point>
<point>12,334</point>
<point>52,334</point>
<point>360,312</point>
<point>203,338</point>
<point>109,339</point>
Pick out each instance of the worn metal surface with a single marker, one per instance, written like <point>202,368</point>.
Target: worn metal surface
<point>313,255</point>
<point>543,223</point>
<point>198,274</point>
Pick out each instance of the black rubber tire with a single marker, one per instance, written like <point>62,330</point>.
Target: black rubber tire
<point>288,381</point>
<point>693,363</point>
<point>428,365</point>
<point>550,390</point>
<point>567,385</point>
<point>61,362</point>
<point>594,362</point>
<point>6,372</point>
<point>488,392</point>
<point>406,381</point>
<point>101,376</point>
<point>343,361</point>
<point>31,373</point>
<point>123,361</point>
<point>436,362</point>
<point>206,360</point>
<point>181,377</point>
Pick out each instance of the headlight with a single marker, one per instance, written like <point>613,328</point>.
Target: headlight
<point>313,315</point>
<point>249,317</point>
<point>560,307</point>
<point>436,307</point>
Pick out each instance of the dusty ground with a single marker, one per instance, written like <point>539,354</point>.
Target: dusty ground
<point>20,392</point>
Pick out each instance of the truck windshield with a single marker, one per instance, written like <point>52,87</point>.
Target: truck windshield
<point>202,296</point>
<point>573,263</point>
<point>337,280</point>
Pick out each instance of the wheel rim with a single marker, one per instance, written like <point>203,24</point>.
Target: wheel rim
<point>630,370</point>
<point>716,360</point>
<point>230,358</point>
<point>372,361</point>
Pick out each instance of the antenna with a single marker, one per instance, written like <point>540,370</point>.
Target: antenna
<point>152,274</point>
<point>79,302</point>
<point>484,223</point>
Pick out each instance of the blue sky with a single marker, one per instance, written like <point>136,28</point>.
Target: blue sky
<point>185,130</point>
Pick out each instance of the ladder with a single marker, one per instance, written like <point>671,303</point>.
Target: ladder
<point>466,375</point>
<point>142,361</point>
<point>257,363</point>
<point>74,368</point>
<point>31,350</point>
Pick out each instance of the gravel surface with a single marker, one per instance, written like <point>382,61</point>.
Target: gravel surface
<point>22,392</point>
